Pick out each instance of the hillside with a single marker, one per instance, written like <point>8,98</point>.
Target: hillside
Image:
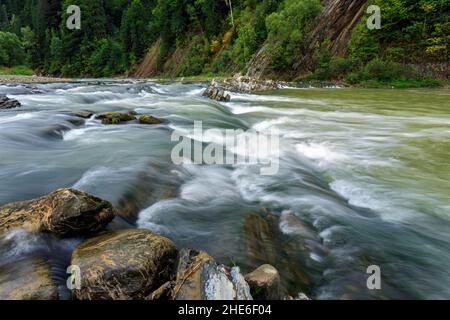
<point>280,39</point>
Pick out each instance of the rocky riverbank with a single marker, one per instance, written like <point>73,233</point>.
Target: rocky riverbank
<point>217,90</point>
<point>32,79</point>
<point>127,264</point>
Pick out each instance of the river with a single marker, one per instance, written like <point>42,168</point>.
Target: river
<point>364,179</point>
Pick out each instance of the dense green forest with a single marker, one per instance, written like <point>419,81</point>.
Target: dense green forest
<point>219,37</point>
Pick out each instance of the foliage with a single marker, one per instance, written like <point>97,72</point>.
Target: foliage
<point>11,50</point>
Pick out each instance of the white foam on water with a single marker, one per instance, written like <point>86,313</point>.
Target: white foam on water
<point>20,116</point>
<point>23,242</point>
<point>323,152</point>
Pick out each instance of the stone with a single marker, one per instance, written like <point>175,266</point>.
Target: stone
<point>215,92</point>
<point>7,103</point>
<point>265,283</point>
<point>199,277</point>
<point>148,119</point>
<point>81,114</point>
<point>64,213</point>
<point>124,265</point>
<point>115,117</point>
<point>28,279</point>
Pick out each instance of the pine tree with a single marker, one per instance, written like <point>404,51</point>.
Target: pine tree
<point>4,22</point>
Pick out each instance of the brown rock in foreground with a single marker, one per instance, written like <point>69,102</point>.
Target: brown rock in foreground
<point>124,265</point>
<point>64,213</point>
<point>264,283</point>
<point>28,279</point>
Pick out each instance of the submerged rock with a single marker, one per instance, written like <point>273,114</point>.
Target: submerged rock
<point>29,279</point>
<point>7,103</point>
<point>123,265</point>
<point>199,277</point>
<point>115,117</point>
<point>215,92</point>
<point>148,119</point>
<point>64,213</point>
<point>81,114</point>
<point>265,283</point>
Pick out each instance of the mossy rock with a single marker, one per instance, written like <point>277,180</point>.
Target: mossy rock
<point>115,117</point>
<point>148,119</point>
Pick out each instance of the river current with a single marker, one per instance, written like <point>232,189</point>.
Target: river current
<point>364,179</point>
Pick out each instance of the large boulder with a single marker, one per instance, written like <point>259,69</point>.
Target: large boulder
<point>7,103</point>
<point>124,265</point>
<point>242,84</point>
<point>265,283</point>
<point>28,279</point>
<point>64,213</point>
<point>199,277</point>
<point>115,117</point>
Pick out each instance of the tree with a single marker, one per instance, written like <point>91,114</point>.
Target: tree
<point>4,22</point>
<point>11,50</point>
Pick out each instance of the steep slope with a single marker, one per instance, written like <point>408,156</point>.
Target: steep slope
<point>334,24</point>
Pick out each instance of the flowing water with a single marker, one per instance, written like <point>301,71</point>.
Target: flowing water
<point>364,179</point>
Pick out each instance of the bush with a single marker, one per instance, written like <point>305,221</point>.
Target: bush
<point>16,71</point>
<point>385,70</point>
<point>195,61</point>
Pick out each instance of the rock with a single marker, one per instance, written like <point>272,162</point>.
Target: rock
<point>243,84</point>
<point>264,283</point>
<point>199,277</point>
<point>115,117</point>
<point>164,292</point>
<point>124,265</point>
<point>215,92</point>
<point>148,119</point>
<point>7,103</point>
<point>300,296</point>
<point>29,279</point>
<point>81,114</point>
<point>64,213</point>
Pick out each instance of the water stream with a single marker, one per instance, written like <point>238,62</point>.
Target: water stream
<point>364,179</point>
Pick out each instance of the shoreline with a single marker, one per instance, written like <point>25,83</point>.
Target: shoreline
<point>18,79</point>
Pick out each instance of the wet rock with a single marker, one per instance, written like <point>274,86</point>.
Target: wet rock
<point>123,265</point>
<point>215,92</point>
<point>199,277</point>
<point>7,103</point>
<point>29,279</point>
<point>81,114</point>
<point>148,119</point>
<point>300,296</point>
<point>265,283</point>
<point>164,292</point>
<point>115,117</point>
<point>266,244</point>
<point>64,213</point>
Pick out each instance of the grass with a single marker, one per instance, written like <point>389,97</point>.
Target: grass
<point>403,84</point>
<point>16,71</point>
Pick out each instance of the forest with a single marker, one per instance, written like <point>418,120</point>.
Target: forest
<point>221,37</point>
